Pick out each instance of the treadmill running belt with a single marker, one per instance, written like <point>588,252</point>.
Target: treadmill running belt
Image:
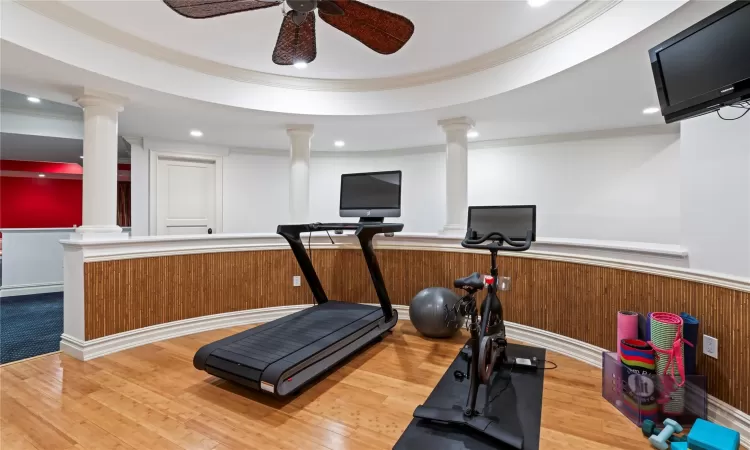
<point>270,345</point>
<point>283,356</point>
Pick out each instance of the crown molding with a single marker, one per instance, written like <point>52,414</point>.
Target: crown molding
<point>427,149</point>
<point>569,23</point>
<point>649,130</point>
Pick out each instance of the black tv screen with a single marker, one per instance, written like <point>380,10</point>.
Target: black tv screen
<point>706,66</point>
<point>512,221</point>
<point>376,192</point>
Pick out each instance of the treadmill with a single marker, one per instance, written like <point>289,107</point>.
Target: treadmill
<point>282,356</point>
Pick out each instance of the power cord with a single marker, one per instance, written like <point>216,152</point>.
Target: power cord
<point>733,118</point>
<point>741,105</point>
<point>544,361</point>
<point>309,253</point>
<point>507,383</point>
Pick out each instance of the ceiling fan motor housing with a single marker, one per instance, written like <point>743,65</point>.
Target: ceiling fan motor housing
<point>382,31</point>
<point>302,6</point>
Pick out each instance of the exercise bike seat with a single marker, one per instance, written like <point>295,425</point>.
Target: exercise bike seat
<point>475,281</point>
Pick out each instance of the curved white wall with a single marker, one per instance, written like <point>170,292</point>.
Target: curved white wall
<point>423,186</point>
<point>689,191</point>
<point>621,188</point>
<point>715,167</point>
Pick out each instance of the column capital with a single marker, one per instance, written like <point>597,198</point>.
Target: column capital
<point>300,130</point>
<point>456,124</point>
<point>89,98</point>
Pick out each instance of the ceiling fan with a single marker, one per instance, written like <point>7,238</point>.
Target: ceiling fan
<point>382,31</point>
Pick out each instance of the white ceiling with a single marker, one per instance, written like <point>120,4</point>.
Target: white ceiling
<point>606,92</point>
<point>446,33</point>
<point>27,147</point>
<point>13,101</point>
<point>24,147</point>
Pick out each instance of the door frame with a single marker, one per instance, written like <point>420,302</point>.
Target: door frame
<point>154,158</point>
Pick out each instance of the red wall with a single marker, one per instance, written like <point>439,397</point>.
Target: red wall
<point>40,202</point>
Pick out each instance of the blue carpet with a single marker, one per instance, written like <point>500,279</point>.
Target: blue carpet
<point>30,325</point>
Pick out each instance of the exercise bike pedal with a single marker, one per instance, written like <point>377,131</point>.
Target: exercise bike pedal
<point>466,352</point>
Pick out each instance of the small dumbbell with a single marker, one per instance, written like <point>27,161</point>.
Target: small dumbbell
<point>660,441</point>
<point>649,428</point>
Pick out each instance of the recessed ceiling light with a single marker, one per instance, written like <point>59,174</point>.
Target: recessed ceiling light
<point>472,134</point>
<point>537,3</point>
<point>81,156</point>
<point>41,175</point>
<point>651,110</point>
<point>300,65</point>
<point>33,99</point>
<point>339,143</point>
<point>196,133</point>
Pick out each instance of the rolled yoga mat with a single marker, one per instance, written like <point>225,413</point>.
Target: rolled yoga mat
<point>666,328</point>
<point>643,327</point>
<point>690,333</point>
<point>627,327</point>
<point>639,366</point>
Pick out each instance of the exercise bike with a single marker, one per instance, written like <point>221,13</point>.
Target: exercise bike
<point>488,343</point>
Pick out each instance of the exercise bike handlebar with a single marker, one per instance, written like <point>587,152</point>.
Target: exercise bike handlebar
<point>498,242</point>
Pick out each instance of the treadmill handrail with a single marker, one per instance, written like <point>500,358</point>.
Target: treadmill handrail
<point>364,232</point>
<point>357,226</point>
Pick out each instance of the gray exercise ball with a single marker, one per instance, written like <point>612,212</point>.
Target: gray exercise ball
<point>428,311</point>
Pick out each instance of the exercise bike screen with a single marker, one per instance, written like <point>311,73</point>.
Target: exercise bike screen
<point>371,191</point>
<point>512,221</point>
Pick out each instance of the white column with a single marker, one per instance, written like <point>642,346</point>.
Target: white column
<point>299,172</point>
<point>456,173</point>
<point>100,112</point>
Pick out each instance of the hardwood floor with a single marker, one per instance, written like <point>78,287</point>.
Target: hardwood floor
<point>151,397</point>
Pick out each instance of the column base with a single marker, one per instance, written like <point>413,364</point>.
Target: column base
<point>99,233</point>
<point>453,230</point>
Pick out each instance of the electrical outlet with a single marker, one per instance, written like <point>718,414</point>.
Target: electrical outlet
<point>504,283</point>
<point>711,346</point>
<point>296,281</point>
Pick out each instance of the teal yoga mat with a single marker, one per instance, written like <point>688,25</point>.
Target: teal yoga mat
<point>690,333</point>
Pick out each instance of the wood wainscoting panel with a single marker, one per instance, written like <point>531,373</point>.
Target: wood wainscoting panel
<point>576,300</point>
<point>129,294</point>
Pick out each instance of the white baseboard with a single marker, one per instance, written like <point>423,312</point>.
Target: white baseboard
<point>573,348</point>
<point>30,289</point>
<point>718,411</point>
<point>86,350</point>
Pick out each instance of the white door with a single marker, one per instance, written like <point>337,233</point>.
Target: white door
<point>185,196</point>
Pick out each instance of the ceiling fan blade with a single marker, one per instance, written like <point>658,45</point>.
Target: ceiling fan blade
<point>382,31</point>
<point>329,7</point>
<point>296,43</point>
<point>202,9</point>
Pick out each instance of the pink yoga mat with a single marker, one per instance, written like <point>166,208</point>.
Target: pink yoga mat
<point>627,327</point>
